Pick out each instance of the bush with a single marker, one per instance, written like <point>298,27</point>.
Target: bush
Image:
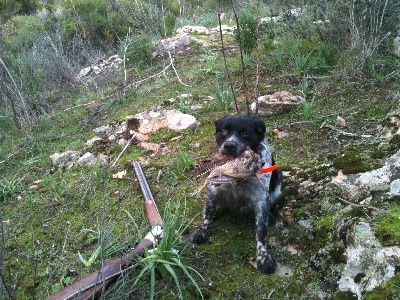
<point>248,30</point>
<point>94,20</point>
<point>140,51</point>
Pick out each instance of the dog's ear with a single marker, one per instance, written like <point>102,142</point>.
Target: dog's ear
<point>218,123</point>
<point>260,126</point>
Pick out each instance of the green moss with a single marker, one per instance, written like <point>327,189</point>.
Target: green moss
<point>387,228</point>
<point>361,158</point>
<point>395,141</point>
<point>351,163</point>
<point>389,290</point>
<point>344,296</point>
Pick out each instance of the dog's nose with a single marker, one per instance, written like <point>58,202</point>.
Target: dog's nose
<point>230,146</point>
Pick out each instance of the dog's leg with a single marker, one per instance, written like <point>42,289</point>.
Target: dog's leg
<point>265,262</point>
<point>202,235</point>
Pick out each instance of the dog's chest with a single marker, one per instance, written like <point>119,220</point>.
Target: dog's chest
<point>246,192</point>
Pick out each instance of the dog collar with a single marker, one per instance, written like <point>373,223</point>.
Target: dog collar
<point>268,169</point>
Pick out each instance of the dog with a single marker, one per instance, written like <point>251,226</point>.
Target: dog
<point>234,134</point>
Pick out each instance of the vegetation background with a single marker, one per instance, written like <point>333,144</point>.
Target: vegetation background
<point>59,224</point>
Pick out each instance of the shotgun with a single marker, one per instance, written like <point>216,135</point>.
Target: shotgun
<point>91,285</point>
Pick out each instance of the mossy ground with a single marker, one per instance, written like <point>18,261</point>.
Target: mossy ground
<point>46,226</point>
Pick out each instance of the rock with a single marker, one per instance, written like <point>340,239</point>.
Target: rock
<point>122,142</point>
<point>93,141</point>
<point>153,121</point>
<point>358,186</point>
<point>368,263</point>
<point>64,158</point>
<point>396,44</point>
<point>277,103</point>
<point>226,29</point>
<point>102,159</point>
<point>180,121</point>
<point>102,129</point>
<point>87,159</point>
<point>193,29</point>
<point>84,72</point>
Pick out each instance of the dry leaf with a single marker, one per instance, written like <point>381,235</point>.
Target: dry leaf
<point>119,175</point>
<point>340,121</point>
<point>281,134</point>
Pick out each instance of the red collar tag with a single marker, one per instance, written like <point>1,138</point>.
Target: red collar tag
<point>268,169</point>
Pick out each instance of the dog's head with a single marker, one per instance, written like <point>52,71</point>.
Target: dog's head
<point>235,133</point>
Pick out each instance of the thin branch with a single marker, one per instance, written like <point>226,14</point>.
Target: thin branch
<point>25,107</point>
<point>71,108</point>
<point>258,58</point>
<point>224,56</point>
<point>176,72</point>
<point>59,260</point>
<point>246,90</point>
<point>341,132</point>
<point>2,245</point>
<point>123,150</point>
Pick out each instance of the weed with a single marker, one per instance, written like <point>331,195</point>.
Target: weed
<point>307,110</point>
<point>211,66</point>
<point>299,60</point>
<point>9,187</point>
<point>183,162</point>
<point>305,89</point>
<point>223,96</point>
<point>106,247</point>
<point>164,259</point>
<point>185,103</point>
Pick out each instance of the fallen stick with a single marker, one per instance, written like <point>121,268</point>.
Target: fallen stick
<point>341,132</point>
<point>123,150</point>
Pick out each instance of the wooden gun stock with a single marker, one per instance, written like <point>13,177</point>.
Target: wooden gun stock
<point>91,285</point>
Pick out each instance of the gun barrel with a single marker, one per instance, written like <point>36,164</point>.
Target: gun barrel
<point>150,207</point>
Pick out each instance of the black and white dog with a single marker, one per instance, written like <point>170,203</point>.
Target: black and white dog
<point>233,135</point>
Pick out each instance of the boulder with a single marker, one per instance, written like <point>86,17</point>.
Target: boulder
<point>65,158</point>
<point>368,263</point>
<point>180,121</point>
<point>357,187</point>
<point>277,103</point>
<point>93,141</point>
<point>87,159</point>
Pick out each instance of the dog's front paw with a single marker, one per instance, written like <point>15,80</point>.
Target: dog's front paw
<point>201,236</point>
<point>265,262</point>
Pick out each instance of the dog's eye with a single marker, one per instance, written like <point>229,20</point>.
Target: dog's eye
<point>245,133</point>
<point>224,131</point>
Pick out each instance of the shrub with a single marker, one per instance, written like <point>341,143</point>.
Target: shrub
<point>169,24</point>
<point>248,30</point>
<point>140,51</point>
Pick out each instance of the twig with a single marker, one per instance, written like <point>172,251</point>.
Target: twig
<point>258,59</point>
<point>176,73</point>
<point>241,57</point>
<point>59,260</point>
<point>123,150</point>
<point>381,211</point>
<point>224,56</point>
<point>341,132</point>
<point>24,105</point>
<point>71,108</point>
<point>11,155</point>
<point>150,77</point>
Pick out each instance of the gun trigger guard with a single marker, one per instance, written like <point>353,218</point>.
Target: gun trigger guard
<point>156,232</point>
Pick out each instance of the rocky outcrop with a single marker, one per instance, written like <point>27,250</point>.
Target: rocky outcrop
<point>368,263</point>
<point>277,103</point>
<point>137,127</point>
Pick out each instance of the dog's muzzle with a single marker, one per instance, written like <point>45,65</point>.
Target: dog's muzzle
<point>230,147</point>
